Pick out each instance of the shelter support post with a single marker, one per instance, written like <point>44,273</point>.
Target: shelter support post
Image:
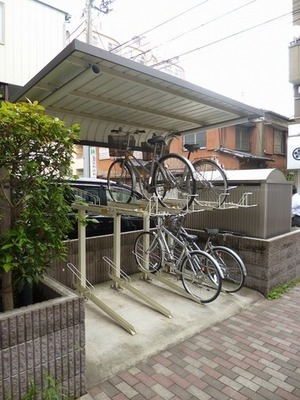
<point>117,248</point>
<point>82,247</point>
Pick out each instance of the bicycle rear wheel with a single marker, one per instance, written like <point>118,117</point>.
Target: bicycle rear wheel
<point>174,182</point>
<point>148,252</point>
<point>232,266</point>
<point>211,182</point>
<point>120,175</point>
<point>201,276</point>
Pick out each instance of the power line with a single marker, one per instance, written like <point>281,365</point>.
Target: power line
<point>159,25</point>
<point>196,28</point>
<point>169,60</point>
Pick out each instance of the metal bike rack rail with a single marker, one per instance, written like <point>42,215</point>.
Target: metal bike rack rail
<point>144,209</point>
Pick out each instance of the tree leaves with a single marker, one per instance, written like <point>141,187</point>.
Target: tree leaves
<point>35,154</point>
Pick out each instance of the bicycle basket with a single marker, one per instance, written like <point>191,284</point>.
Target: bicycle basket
<point>118,144</point>
<point>148,151</point>
<point>174,222</point>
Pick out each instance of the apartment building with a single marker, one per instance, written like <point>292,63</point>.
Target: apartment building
<point>32,33</point>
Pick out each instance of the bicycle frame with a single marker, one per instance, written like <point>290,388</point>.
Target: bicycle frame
<point>139,171</point>
<point>154,176</point>
<point>163,234</point>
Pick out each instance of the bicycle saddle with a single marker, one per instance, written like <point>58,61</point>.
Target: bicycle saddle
<point>211,231</point>
<point>156,139</point>
<point>189,237</point>
<point>192,147</point>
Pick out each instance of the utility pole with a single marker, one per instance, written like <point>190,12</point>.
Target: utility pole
<point>89,40</point>
<point>89,29</point>
<point>89,153</point>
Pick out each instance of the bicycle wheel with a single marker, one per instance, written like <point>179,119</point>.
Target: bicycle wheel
<point>232,266</point>
<point>201,276</point>
<point>148,252</point>
<point>143,182</point>
<point>173,179</point>
<point>211,182</point>
<point>120,174</point>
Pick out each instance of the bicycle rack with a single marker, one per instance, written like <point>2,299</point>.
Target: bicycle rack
<point>125,281</point>
<point>200,205</point>
<point>144,209</point>
<point>158,277</point>
<point>87,292</point>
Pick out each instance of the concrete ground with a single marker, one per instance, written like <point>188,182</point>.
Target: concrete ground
<point>111,349</point>
<point>252,354</point>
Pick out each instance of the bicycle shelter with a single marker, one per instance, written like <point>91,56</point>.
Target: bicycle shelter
<point>86,85</point>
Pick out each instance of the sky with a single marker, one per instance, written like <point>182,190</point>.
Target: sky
<point>237,48</point>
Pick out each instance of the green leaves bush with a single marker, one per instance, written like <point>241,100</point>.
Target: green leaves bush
<point>35,158</point>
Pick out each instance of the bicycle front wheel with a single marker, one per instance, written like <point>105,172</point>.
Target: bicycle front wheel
<point>201,276</point>
<point>148,252</point>
<point>120,177</point>
<point>232,266</point>
<point>211,182</point>
<point>174,183</point>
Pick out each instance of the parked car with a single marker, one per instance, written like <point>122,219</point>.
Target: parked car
<point>95,191</point>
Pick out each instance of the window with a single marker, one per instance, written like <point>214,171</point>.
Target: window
<point>279,142</point>
<point>1,22</point>
<point>242,138</point>
<point>103,153</point>
<point>193,138</point>
<point>79,151</point>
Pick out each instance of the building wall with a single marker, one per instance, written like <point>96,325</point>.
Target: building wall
<point>34,34</point>
<point>261,144</point>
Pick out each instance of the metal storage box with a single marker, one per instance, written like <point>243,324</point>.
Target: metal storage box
<point>271,193</point>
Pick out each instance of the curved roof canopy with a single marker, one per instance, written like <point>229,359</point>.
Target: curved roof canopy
<point>103,91</point>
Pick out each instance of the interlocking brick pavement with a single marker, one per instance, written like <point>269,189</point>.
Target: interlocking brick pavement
<point>252,355</point>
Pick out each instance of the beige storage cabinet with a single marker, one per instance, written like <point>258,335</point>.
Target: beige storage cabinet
<point>271,193</point>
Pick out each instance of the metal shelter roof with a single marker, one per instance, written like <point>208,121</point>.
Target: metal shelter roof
<point>103,91</point>
<point>244,155</point>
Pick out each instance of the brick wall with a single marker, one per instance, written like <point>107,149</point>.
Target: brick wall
<point>96,268</point>
<point>269,262</point>
<point>43,340</point>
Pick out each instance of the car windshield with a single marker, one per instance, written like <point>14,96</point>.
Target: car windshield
<point>120,195</point>
<point>101,195</point>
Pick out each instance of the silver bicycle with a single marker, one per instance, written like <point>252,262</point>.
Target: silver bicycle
<point>233,268</point>
<point>198,271</point>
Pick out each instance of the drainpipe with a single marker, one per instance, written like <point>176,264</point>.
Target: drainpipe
<point>259,150</point>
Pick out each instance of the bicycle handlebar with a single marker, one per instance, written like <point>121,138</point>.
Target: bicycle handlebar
<point>120,130</point>
<point>127,133</point>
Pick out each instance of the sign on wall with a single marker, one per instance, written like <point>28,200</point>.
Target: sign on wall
<point>293,147</point>
<point>93,163</point>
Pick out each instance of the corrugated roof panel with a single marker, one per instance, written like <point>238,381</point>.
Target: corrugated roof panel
<point>102,91</point>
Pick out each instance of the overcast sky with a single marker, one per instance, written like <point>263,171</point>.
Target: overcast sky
<point>238,48</point>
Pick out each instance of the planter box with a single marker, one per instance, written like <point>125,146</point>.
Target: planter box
<point>43,340</point>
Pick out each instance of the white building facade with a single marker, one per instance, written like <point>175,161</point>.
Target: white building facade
<point>32,33</point>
